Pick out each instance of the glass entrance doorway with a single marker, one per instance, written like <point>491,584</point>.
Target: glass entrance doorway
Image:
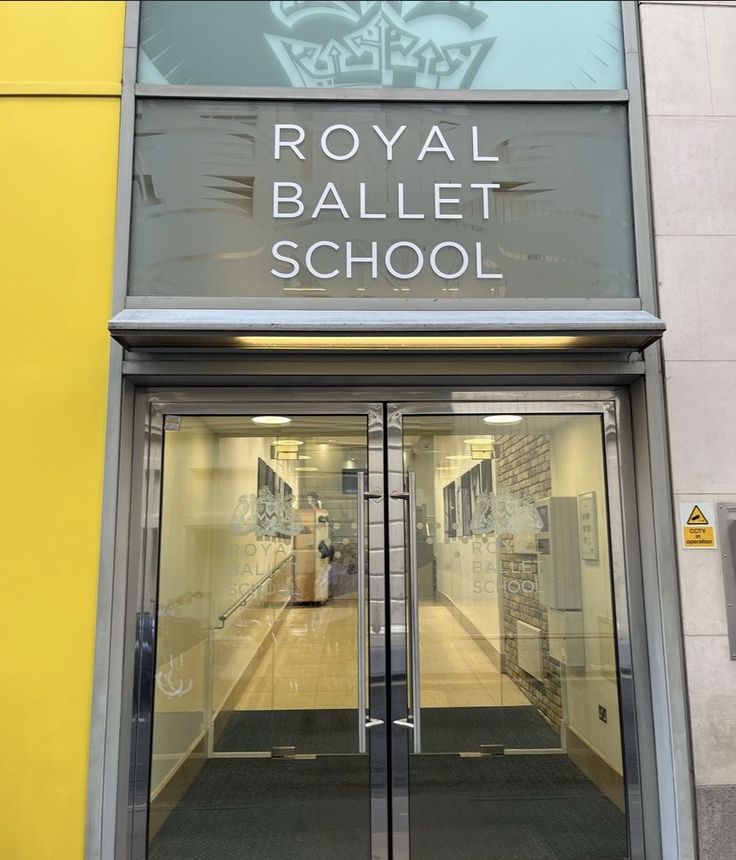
<point>384,631</point>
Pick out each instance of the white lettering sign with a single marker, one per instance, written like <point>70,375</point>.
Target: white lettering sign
<point>375,198</point>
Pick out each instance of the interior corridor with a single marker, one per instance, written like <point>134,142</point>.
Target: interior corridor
<point>311,661</point>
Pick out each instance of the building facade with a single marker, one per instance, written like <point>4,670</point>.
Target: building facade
<point>376,497</point>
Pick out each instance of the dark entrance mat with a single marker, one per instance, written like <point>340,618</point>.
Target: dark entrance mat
<point>511,808</point>
<point>271,809</point>
<point>335,731</point>
<point>491,808</point>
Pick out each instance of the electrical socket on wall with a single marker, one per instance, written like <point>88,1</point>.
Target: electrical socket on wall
<point>602,714</point>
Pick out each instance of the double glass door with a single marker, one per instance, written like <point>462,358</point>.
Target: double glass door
<point>381,631</point>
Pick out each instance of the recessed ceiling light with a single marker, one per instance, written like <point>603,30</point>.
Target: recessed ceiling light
<point>304,457</point>
<point>288,442</point>
<point>273,420</point>
<point>307,469</point>
<point>503,419</point>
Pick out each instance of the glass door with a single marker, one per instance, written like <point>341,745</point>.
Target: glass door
<point>506,712</point>
<point>267,642</point>
<point>383,631</point>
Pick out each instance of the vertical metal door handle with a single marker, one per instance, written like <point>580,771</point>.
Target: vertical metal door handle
<point>413,720</point>
<point>416,713</point>
<point>361,610</point>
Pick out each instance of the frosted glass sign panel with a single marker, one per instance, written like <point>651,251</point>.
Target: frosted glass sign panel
<point>506,44</point>
<point>381,201</point>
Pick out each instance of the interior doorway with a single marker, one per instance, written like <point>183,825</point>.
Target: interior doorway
<point>384,630</point>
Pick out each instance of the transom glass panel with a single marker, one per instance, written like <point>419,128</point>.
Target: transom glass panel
<point>534,44</point>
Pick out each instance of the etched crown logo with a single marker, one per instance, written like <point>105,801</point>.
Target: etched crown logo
<point>381,50</point>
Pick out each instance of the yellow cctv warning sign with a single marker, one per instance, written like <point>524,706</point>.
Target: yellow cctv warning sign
<point>697,524</point>
<point>697,517</point>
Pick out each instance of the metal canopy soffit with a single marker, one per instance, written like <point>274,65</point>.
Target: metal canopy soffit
<point>318,330</point>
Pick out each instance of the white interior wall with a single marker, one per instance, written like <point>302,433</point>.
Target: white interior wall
<point>204,568</point>
<point>184,605</point>
<point>238,562</point>
<point>578,467</point>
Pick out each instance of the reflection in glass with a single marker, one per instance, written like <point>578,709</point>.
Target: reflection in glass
<point>256,652</point>
<point>506,44</point>
<point>518,697</point>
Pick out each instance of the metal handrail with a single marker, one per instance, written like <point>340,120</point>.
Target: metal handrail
<point>242,601</point>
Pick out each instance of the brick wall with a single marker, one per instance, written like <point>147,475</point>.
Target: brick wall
<point>523,469</point>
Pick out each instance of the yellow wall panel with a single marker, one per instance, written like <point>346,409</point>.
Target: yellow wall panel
<point>58,177</point>
<point>51,42</point>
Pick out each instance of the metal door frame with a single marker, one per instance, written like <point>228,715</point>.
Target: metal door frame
<point>612,410</point>
<point>384,408</point>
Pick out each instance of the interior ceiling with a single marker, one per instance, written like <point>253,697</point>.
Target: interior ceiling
<point>349,430</point>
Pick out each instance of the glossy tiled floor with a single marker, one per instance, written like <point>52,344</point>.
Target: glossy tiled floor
<point>312,663</point>
<point>455,672</point>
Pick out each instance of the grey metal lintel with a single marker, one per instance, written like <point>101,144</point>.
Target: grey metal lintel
<point>375,94</point>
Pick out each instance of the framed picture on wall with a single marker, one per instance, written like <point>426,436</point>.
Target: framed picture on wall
<point>486,476</point>
<point>458,508</point>
<point>270,482</point>
<point>263,477</point>
<point>450,511</point>
<point>466,495</point>
<point>475,486</point>
<point>588,525</point>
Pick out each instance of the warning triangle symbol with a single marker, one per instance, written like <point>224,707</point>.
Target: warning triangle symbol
<point>697,517</point>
